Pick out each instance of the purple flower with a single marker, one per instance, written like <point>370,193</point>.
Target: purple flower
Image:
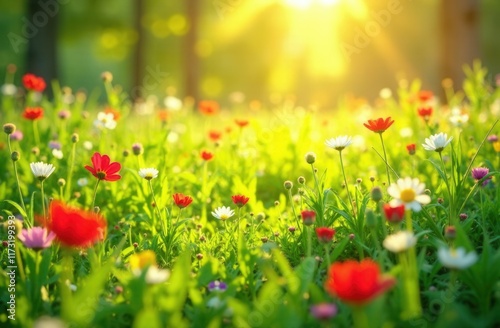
<point>217,286</point>
<point>480,172</point>
<point>493,138</point>
<point>16,136</point>
<point>64,114</point>
<point>323,311</point>
<point>37,238</point>
<point>55,145</point>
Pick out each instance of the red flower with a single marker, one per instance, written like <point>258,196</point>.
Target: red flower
<point>425,112</point>
<point>33,113</point>
<point>163,115</point>
<point>394,214</point>
<point>240,200</point>
<point>379,125</point>
<point>241,123</point>
<point>411,149</point>
<point>325,235</point>
<point>74,227</point>
<point>208,107</point>
<point>425,95</point>
<point>102,168</point>
<point>308,217</point>
<point>33,82</point>
<point>357,283</point>
<point>206,155</point>
<point>182,200</point>
<point>214,135</point>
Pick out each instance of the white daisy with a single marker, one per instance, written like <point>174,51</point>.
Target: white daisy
<point>42,170</point>
<point>223,213</point>
<point>456,258</point>
<point>105,120</point>
<point>339,143</point>
<point>172,103</point>
<point>57,153</point>
<point>437,142</point>
<point>400,241</point>
<point>409,192</point>
<point>148,173</point>
<point>154,275</point>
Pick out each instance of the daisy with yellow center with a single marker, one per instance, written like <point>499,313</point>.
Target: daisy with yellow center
<point>409,192</point>
<point>223,213</point>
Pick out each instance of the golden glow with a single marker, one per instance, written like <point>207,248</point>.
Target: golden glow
<point>305,4</point>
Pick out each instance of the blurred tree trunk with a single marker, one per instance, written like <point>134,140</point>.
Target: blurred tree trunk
<point>138,61</point>
<point>459,36</point>
<point>42,22</point>
<point>191,64</point>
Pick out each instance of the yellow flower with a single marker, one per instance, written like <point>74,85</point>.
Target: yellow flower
<point>141,260</point>
<point>496,146</point>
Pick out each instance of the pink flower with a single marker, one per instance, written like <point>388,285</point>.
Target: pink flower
<point>37,238</point>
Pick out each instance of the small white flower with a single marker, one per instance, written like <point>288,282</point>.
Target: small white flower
<point>456,258</point>
<point>148,173</point>
<point>172,103</point>
<point>437,142</point>
<point>172,137</point>
<point>409,192</point>
<point>42,170</point>
<point>9,89</point>
<point>57,153</point>
<point>156,275</point>
<point>457,118</point>
<point>82,182</point>
<point>87,145</point>
<point>223,213</point>
<point>105,120</point>
<point>400,241</point>
<point>339,143</point>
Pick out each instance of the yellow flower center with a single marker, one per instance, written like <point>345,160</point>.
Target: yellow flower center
<point>224,217</point>
<point>408,195</point>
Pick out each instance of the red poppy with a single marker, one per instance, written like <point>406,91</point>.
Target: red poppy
<point>206,155</point>
<point>240,200</point>
<point>33,113</point>
<point>308,217</point>
<point>425,95</point>
<point>182,200</point>
<point>103,169</point>
<point>208,107</point>
<point>425,112</point>
<point>394,214</point>
<point>33,82</point>
<point>325,235</point>
<point>74,227</point>
<point>411,149</point>
<point>379,125</point>
<point>214,135</point>
<point>241,123</point>
<point>163,115</point>
<point>116,114</point>
<point>357,283</point>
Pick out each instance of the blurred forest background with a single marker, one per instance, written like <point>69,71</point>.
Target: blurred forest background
<point>316,50</point>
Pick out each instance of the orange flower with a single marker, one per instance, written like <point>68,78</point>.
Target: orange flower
<point>208,107</point>
<point>33,82</point>
<point>206,155</point>
<point>163,115</point>
<point>74,227</point>
<point>411,149</point>
<point>425,112</point>
<point>240,200</point>
<point>116,114</point>
<point>379,125</point>
<point>214,135</point>
<point>33,113</point>
<point>102,168</point>
<point>182,200</point>
<point>241,123</point>
<point>425,95</point>
<point>357,283</point>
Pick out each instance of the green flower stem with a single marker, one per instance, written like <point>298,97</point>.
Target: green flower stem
<point>30,224</point>
<point>409,223</point>
<point>43,199</point>
<point>156,206</point>
<point>316,183</point>
<point>327,254</point>
<point>203,218</point>
<point>35,133</point>
<point>19,260</point>
<point>64,280</point>
<point>346,185</point>
<point>411,290</point>
<point>452,218</point>
<point>95,194</point>
<point>359,317</point>
<point>309,241</point>
<point>293,210</point>
<point>67,194</point>
<point>385,159</point>
<point>238,223</point>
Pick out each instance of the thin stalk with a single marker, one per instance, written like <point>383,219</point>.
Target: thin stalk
<point>155,205</point>
<point>385,158</point>
<point>43,199</point>
<point>293,210</point>
<point>70,172</point>
<point>95,194</point>
<point>346,185</point>
<point>450,197</point>
<point>35,133</point>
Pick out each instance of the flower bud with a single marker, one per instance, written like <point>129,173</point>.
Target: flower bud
<point>107,76</point>
<point>75,137</point>
<point>15,156</point>
<point>61,182</point>
<point>137,149</point>
<point>288,185</point>
<point>450,233</point>
<point>9,128</point>
<point>199,256</point>
<point>371,218</point>
<point>310,157</point>
<point>376,194</point>
<point>301,180</point>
